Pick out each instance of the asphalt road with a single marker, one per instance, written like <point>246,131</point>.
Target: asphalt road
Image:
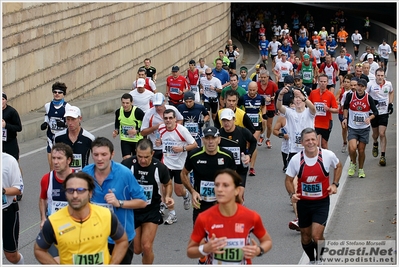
<point>363,210</point>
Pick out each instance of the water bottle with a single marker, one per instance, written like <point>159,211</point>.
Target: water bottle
<point>242,160</point>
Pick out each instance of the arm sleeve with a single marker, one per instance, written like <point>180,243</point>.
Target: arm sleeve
<point>117,123</point>
<point>216,122</point>
<point>251,139</point>
<point>46,236</point>
<point>117,230</point>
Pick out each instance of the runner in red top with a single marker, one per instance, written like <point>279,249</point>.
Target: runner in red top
<point>330,69</point>
<point>267,89</point>
<point>325,104</point>
<point>226,227</point>
<point>176,86</point>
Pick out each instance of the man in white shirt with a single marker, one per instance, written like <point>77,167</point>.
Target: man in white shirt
<point>356,38</point>
<point>141,96</point>
<point>282,69</point>
<point>384,50</point>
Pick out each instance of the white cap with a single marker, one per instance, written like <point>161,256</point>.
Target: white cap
<point>73,112</point>
<point>227,114</point>
<point>315,32</point>
<point>140,82</point>
<point>370,56</point>
<point>158,99</point>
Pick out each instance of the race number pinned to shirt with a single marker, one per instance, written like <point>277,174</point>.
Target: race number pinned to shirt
<point>4,134</point>
<point>76,164</point>
<point>148,189</point>
<point>312,190</point>
<point>57,205</point>
<point>233,253</point>
<point>254,118</point>
<point>359,118</point>
<point>207,191</point>
<point>174,90</point>
<point>236,153</point>
<point>124,131</point>
<point>320,111</point>
<point>167,148</point>
<point>298,139</point>
<point>193,128</point>
<point>88,259</point>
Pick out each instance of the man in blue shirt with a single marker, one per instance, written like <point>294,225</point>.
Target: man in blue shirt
<point>221,74</point>
<point>115,188</point>
<point>331,45</point>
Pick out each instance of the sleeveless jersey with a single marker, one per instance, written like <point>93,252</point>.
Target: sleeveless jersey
<point>56,198</point>
<point>330,71</point>
<point>313,181</point>
<point>359,110</point>
<point>307,73</point>
<point>193,77</point>
<point>231,56</point>
<point>127,124</point>
<point>55,115</point>
<point>83,243</point>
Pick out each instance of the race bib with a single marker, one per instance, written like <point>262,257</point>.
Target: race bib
<point>236,153</point>
<point>342,68</point>
<point>254,118</point>
<point>88,259</point>
<point>174,90</point>
<point>53,125</point>
<point>167,148</point>
<point>233,253</point>
<point>105,205</point>
<point>382,106</point>
<point>320,111</point>
<point>194,88</point>
<point>307,75</point>
<point>57,205</point>
<point>312,190</point>
<point>148,189</point>
<point>4,134</point>
<point>76,164</point>
<point>298,143</point>
<point>207,191</point>
<point>192,127</point>
<point>359,118</point>
<point>124,131</point>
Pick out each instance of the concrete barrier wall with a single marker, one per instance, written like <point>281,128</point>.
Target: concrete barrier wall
<point>97,47</point>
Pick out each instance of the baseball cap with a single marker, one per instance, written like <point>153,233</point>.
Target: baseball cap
<point>297,77</point>
<point>175,68</point>
<point>362,82</point>
<point>306,56</point>
<point>140,82</point>
<point>370,56</point>
<point>315,32</point>
<point>73,112</point>
<point>189,96</point>
<point>191,62</point>
<point>4,96</point>
<point>211,131</point>
<point>227,114</point>
<point>288,79</point>
<point>158,99</point>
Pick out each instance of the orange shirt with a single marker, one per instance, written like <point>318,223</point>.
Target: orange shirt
<point>323,117</point>
<point>342,36</point>
<point>394,46</point>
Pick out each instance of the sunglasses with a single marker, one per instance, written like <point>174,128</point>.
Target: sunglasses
<point>79,190</point>
<point>208,73</point>
<point>58,92</point>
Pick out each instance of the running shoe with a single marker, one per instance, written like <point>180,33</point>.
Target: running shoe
<point>269,144</point>
<point>187,203</point>
<point>171,219</point>
<point>162,208</point>
<point>362,174</point>
<point>293,225</point>
<point>343,150</point>
<point>352,169</point>
<point>383,161</point>
<point>260,142</point>
<point>252,172</point>
<point>375,150</point>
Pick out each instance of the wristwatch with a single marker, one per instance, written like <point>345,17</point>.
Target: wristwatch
<point>336,184</point>
<point>120,203</point>
<point>261,251</point>
<point>184,149</point>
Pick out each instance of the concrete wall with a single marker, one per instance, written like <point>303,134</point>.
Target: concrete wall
<point>97,47</point>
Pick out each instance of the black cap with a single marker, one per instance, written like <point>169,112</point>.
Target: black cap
<point>288,79</point>
<point>297,77</point>
<point>191,62</point>
<point>175,68</point>
<point>189,96</point>
<point>211,131</point>
<point>362,82</point>
<point>4,96</point>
